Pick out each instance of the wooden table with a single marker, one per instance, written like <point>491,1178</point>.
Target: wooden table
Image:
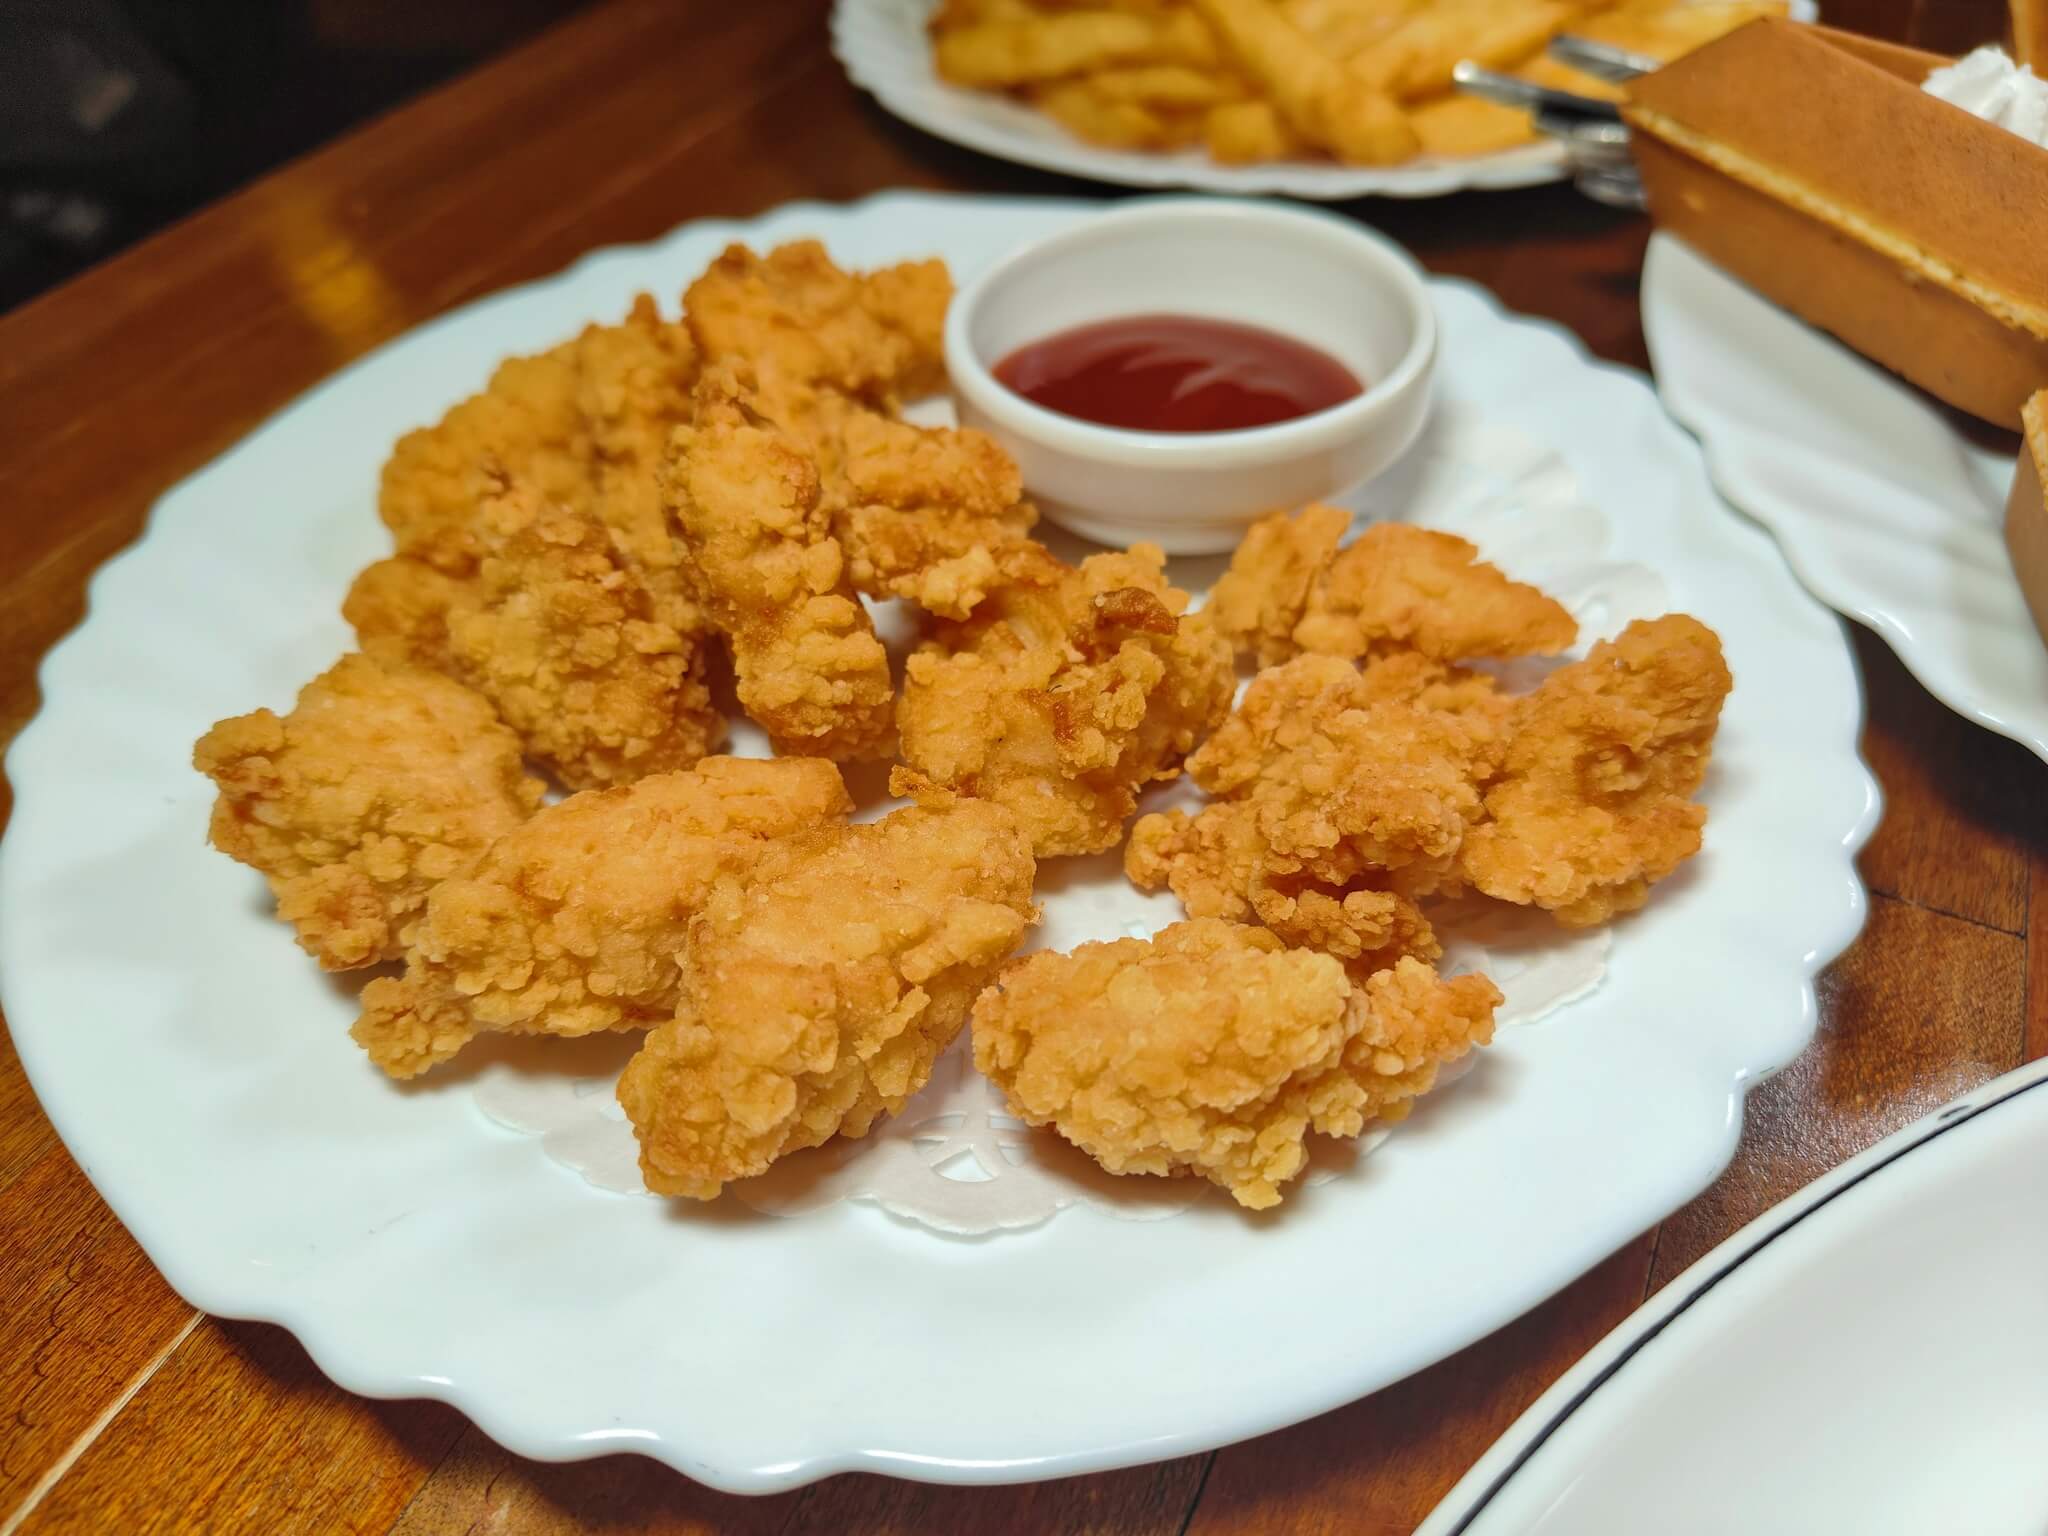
<point>127,1411</point>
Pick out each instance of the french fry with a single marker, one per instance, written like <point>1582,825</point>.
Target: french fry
<point>1317,97</point>
<point>955,14</point>
<point>1134,7</point>
<point>1112,124</point>
<point>1187,39</point>
<point>1247,132</point>
<point>1165,85</point>
<point>1415,60</point>
<point>1008,53</point>
<point>1343,28</point>
<point>1469,125</point>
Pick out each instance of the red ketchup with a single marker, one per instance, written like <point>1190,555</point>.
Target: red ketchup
<point>1177,373</point>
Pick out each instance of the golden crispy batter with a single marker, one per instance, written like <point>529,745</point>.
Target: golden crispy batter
<point>1440,687</point>
<point>1285,707</point>
<point>569,646</point>
<point>525,425</point>
<point>817,992</point>
<point>803,325</point>
<point>633,387</point>
<point>1289,589</point>
<point>1259,600</point>
<point>559,635</point>
<point>933,515</point>
<point>572,922</point>
<point>383,780</point>
<point>1346,783</point>
<point>929,514</point>
<point>1219,864</point>
<point>581,425</point>
<point>578,431</point>
<point>1211,1049</point>
<point>1343,796</point>
<point>399,609</point>
<point>768,572</point>
<point>1428,591</point>
<point>1594,801</point>
<point>1063,695</point>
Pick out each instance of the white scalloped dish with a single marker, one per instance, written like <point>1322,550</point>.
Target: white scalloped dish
<point>199,1068</point>
<point>1888,509</point>
<point>886,51</point>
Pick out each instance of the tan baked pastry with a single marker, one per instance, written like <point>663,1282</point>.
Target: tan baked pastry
<point>2026,511</point>
<point>1810,164</point>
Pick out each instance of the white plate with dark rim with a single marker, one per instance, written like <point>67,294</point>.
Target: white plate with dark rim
<point>199,1068</point>
<point>887,53</point>
<point>1869,1356</point>
<point>1890,508</point>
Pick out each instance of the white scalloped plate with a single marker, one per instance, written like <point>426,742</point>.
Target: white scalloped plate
<point>1907,1289</point>
<point>1888,511</point>
<point>885,49</point>
<point>199,1070</point>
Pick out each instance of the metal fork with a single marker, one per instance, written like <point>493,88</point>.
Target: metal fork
<point>1594,137</point>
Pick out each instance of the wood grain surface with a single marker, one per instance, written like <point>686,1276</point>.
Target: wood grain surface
<point>127,1411</point>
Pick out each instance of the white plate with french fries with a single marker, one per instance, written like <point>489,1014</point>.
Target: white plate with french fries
<point>1318,99</point>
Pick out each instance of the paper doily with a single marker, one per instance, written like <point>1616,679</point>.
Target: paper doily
<point>953,1161</point>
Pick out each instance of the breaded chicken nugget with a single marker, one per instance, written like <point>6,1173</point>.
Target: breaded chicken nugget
<point>819,988</point>
<point>1211,1049</point>
<point>570,647</point>
<point>1594,799</point>
<point>768,572</point>
<point>572,923</point>
<point>1396,586</point>
<point>382,781</point>
<point>1065,694</point>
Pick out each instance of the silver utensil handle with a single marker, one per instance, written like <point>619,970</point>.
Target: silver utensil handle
<point>1603,61</point>
<point>1512,92</point>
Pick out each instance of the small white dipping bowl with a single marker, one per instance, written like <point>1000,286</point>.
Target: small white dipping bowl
<point>1309,276</point>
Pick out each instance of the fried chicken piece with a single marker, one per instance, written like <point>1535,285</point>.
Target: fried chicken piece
<point>525,425</point>
<point>769,573</point>
<point>568,645</point>
<point>1212,1049</point>
<point>572,923</point>
<point>1289,589</point>
<point>382,781</point>
<point>558,636</point>
<point>399,610</point>
<point>805,326</point>
<point>817,992</point>
<point>581,425</point>
<point>1259,600</point>
<point>1474,698</point>
<point>1430,592</point>
<point>1286,704</point>
<point>1345,782</point>
<point>1063,695</point>
<point>1219,864</point>
<point>633,387</point>
<point>1594,800</point>
<point>1343,797</point>
<point>930,514</point>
